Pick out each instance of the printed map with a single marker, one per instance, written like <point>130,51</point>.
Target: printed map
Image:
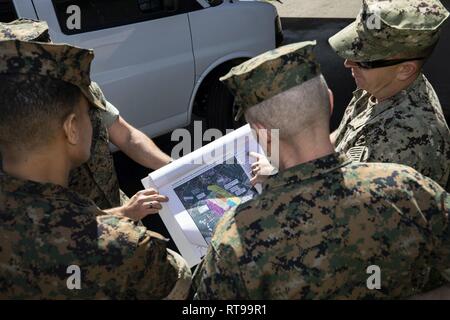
<point>210,195</point>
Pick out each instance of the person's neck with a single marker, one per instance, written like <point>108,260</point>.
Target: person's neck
<point>44,166</point>
<point>304,149</point>
<point>393,89</point>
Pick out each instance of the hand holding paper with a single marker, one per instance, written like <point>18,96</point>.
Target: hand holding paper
<point>203,186</point>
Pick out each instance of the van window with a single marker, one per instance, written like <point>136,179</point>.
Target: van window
<point>103,14</point>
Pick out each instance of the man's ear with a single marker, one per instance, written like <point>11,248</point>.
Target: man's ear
<point>71,130</point>
<point>406,70</point>
<point>330,93</point>
<point>259,128</point>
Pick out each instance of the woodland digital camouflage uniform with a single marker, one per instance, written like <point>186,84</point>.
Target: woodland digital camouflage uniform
<point>408,128</point>
<point>45,228</point>
<point>318,226</point>
<point>96,179</point>
<point>262,74</point>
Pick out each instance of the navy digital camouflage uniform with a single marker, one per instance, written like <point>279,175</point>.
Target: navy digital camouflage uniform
<point>25,30</point>
<point>408,128</point>
<point>318,226</point>
<point>46,228</point>
<point>97,178</point>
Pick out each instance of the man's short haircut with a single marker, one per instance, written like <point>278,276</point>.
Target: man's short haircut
<point>425,53</point>
<point>33,108</point>
<point>299,108</point>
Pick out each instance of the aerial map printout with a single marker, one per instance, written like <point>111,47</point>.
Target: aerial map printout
<point>213,193</point>
<point>201,192</point>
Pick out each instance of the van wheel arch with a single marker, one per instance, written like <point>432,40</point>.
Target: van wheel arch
<point>214,102</point>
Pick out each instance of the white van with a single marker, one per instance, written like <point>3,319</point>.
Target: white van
<point>159,61</point>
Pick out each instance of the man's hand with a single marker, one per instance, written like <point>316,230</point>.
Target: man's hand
<point>261,169</point>
<point>142,204</point>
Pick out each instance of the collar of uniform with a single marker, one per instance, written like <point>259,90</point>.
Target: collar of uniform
<point>11,184</point>
<point>371,111</point>
<point>307,170</point>
<point>358,93</point>
<point>386,104</point>
<point>359,102</point>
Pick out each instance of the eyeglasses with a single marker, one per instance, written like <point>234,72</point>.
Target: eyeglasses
<point>382,63</point>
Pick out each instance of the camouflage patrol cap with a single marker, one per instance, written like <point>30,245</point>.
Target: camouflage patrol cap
<point>271,73</point>
<point>25,29</point>
<point>388,29</point>
<point>59,61</point>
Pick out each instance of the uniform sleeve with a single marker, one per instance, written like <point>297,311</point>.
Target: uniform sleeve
<point>110,115</point>
<point>218,276</point>
<point>434,204</point>
<point>148,270</point>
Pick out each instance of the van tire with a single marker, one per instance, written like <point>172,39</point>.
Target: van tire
<point>219,107</point>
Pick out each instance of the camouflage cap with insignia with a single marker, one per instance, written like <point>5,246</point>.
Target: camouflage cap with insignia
<point>59,61</point>
<point>25,29</point>
<point>391,29</point>
<point>271,73</point>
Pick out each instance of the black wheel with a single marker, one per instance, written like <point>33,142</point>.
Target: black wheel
<point>220,110</point>
<point>219,107</point>
<point>218,103</point>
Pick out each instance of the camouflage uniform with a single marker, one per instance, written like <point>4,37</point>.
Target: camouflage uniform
<point>25,30</point>
<point>45,228</point>
<point>319,225</point>
<point>408,128</point>
<point>96,179</point>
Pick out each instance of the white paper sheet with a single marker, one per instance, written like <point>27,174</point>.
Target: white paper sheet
<point>202,186</point>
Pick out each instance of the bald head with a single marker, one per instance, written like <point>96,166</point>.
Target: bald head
<point>299,110</point>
